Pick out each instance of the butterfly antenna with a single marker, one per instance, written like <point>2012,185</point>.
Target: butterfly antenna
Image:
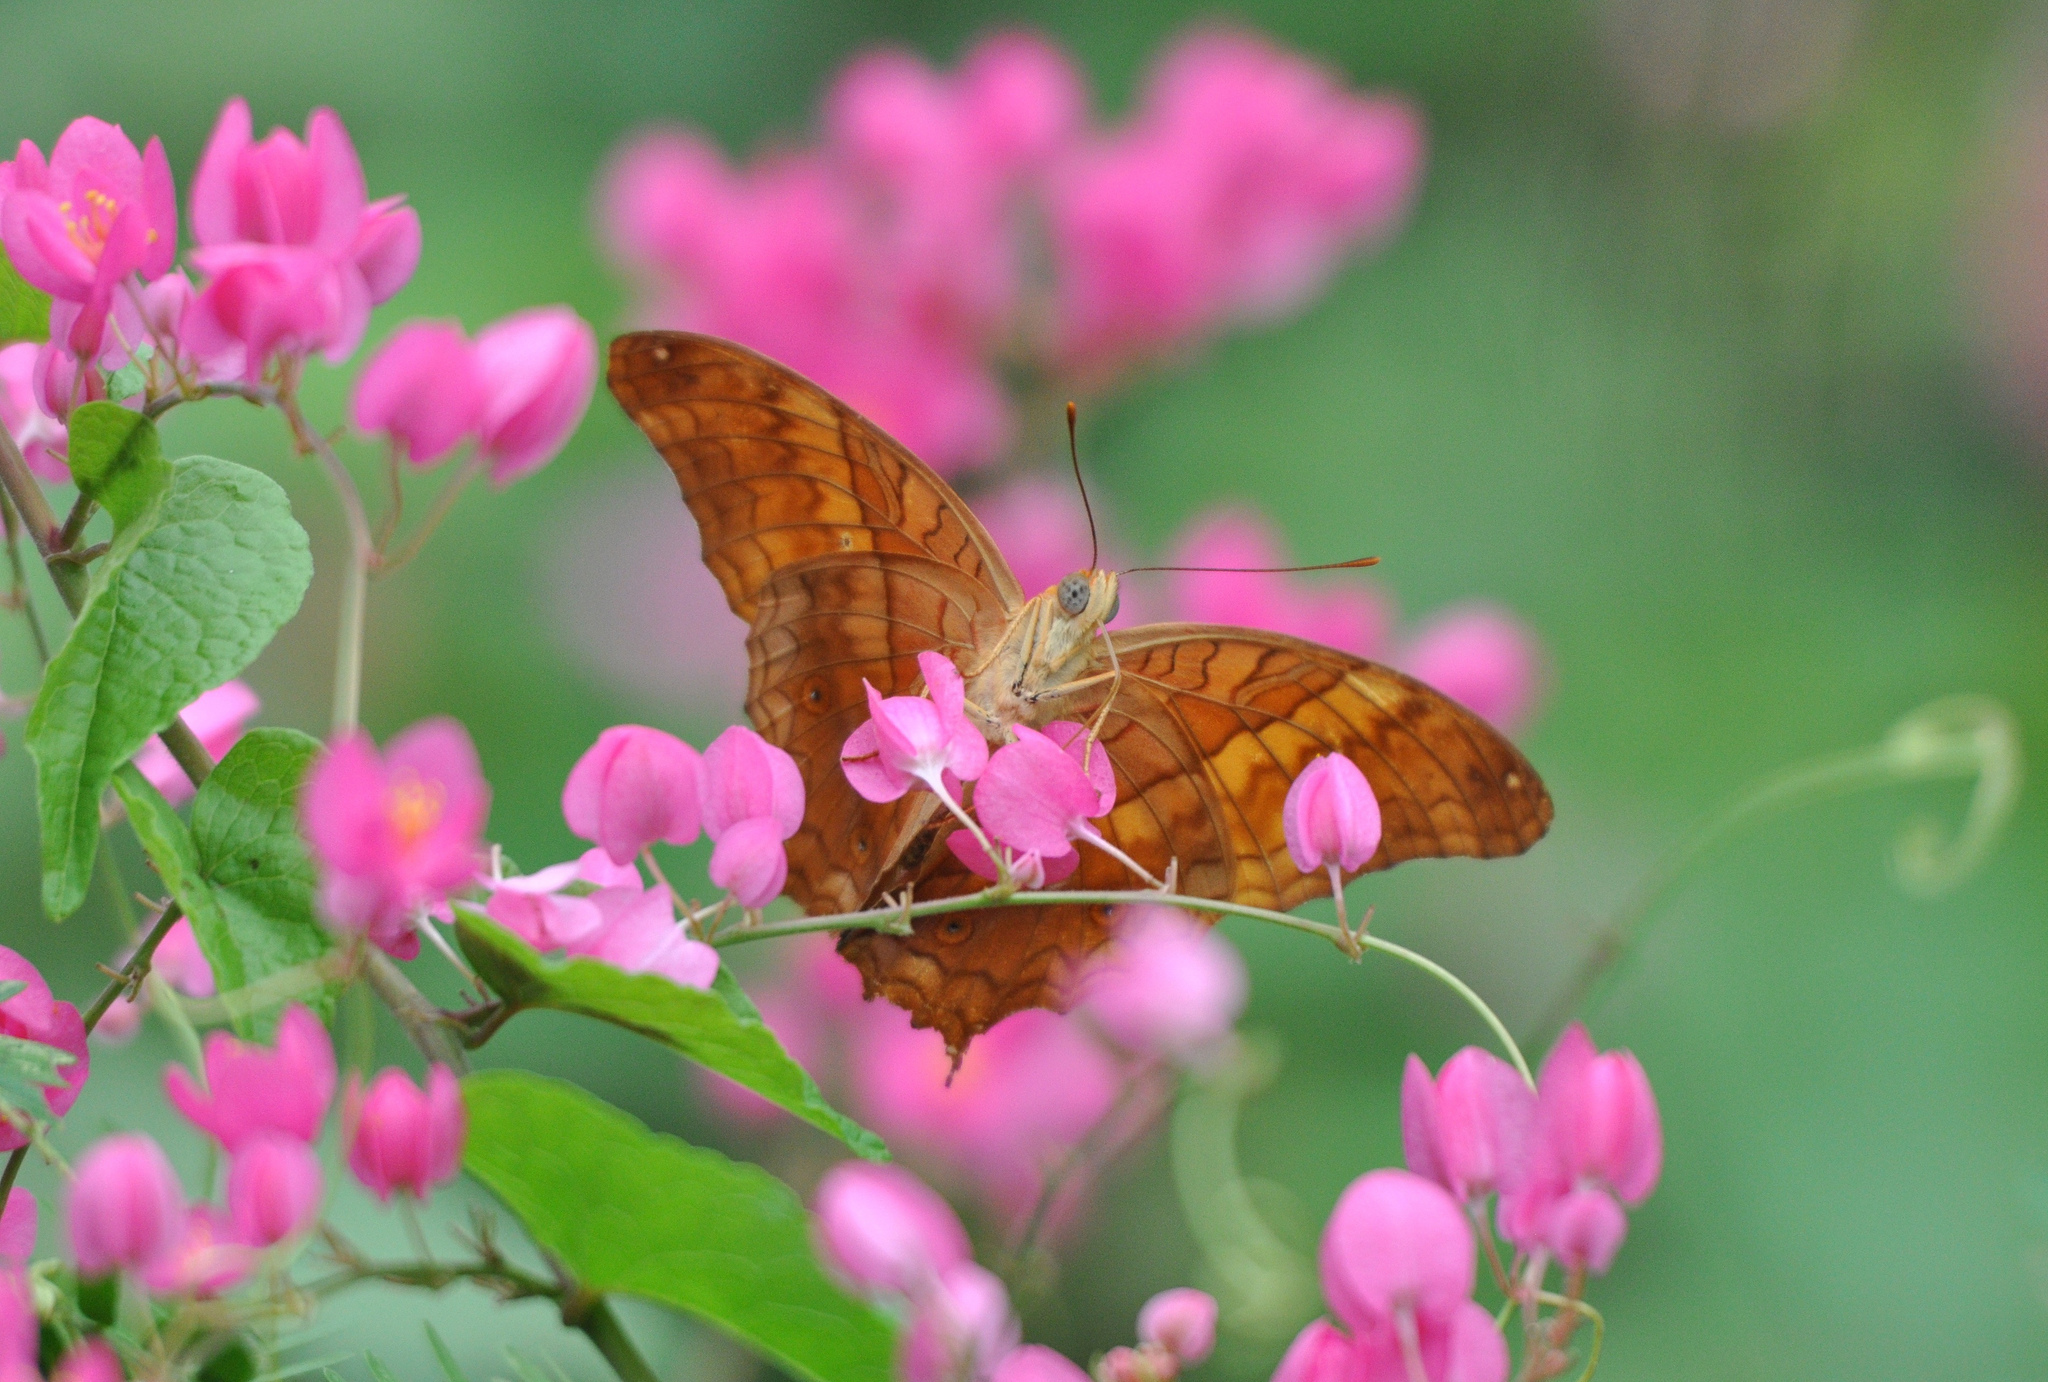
<point>1265,570</point>
<point>1074,450</point>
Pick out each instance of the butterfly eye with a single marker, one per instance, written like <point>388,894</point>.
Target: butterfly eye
<point>1074,594</point>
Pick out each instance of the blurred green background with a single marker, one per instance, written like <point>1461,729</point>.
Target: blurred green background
<point>1714,347</point>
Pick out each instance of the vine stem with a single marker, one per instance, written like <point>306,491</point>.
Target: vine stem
<point>881,919</point>
<point>362,555</point>
<point>12,523</point>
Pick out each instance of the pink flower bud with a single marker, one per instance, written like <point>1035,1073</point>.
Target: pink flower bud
<point>217,718</point>
<point>400,1137</point>
<point>36,1015</point>
<point>634,786</point>
<point>124,1207</point>
<point>743,777</point>
<point>1126,1364</point>
<point>40,436</point>
<point>1482,657</point>
<point>274,1189</point>
<point>885,1230</point>
<point>538,367</point>
<point>1037,1363</point>
<point>387,246</point>
<point>1320,1353</point>
<point>1468,1129</point>
<point>1331,817</point>
<point>251,1090</point>
<point>751,862</point>
<point>205,1260</point>
<point>1181,1321</point>
<point>1168,986</point>
<point>912,739</point>
<point>1395,1241</point>
<point>397,832</point>
<point>422,387</point>
<point>960,1325</point>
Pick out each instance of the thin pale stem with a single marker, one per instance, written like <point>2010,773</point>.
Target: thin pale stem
<point>888,919</point>
<point>1122,858</point>
<point>425,1024</point>
<point>1599,1322</point>
<point>362,555</point>
<point>19,572</point>
<point>259,394</point>
<point>444,502</point>
<point>394,497</point>
<point>425,926</point>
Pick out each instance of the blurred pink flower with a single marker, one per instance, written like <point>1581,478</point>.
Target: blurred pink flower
<point>1395,1242</point>
<point>1482,657</point>
<point>1598,1145</point>
<point>753,801</point>
<point>205,1260</point>
<point>961,1326</point>
<point>538,368</point>
<point>884,1230</point>
<point>41,437</point>
<point>396,832</point>
<point>639,935</point>
<point>124,1208</point>
<point>91,1360</point>
<point>20,1330</point>
<point>421,387</point>
<point>633,787</point>
<point>1024,1093</point>
<point>182,964</point>
<point>98,213</point>
<point>1038,523</point>
<point>533,907</point>
<point>218,718</point>
<point>1351,616</point>
<point>1467,1129</point>
<point>252,1090</point>
<point>1181,1321</point>
<point>400,1137</point>
<point>274,1189</point>
<point>1168,986</point>
<point>1331,818</point>
<point>1320,1353</point>
<point>35,1014</point>
<point>18,1230</point>
<point>911,739</point>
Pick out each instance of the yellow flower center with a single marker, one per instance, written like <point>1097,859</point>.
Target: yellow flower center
<point>88,225</point>
<point>415,808</point>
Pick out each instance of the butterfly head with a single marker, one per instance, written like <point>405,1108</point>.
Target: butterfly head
<point>1088,599</point>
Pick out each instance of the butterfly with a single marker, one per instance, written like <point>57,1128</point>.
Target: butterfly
<point>847,557</point>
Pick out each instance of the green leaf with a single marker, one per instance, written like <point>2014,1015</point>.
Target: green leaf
<point>24,310</point>
<point>245,824</point>
<point>127,381</point>
<point>170,848</point>
<point>442,1354</point>
<point>377,1368</point>
<point>718,1033</point>
<point>117,460</point>
<point>188,595</point>
<point>628,1210</point>
<point>26,1069</point>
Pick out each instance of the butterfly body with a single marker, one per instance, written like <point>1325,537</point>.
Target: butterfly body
<point>847,557</point>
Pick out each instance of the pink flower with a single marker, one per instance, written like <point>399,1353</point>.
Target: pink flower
<point>422,387</point>
<point>633,787</point>
<point>1168,987</point>
<point>912,739</point>
<point>400,1137</point>
<point>41,437</point>
<point>252,1091</point>
<point>960,1326</point>
<point>1037,1363</point>
<point>99,213</point>
<point>285,195</point>
<point>1024,1093</point>
<point>266,300</point>
<point>205,1260</point>
<point>1320,1353</point>
<point>533,907</point>
<point>124,1207</point>
<point>1395,1242</point>
<point>638,934</point>
<point>218,717</point>
<point>884,1230</point>
<point>274,1189</point>
<point>1468,1129</point>
<point>395,833</point>
<point>1036,797</point>
<point>1023,100</point>
<point>1598,1145</point>
<point>1480,656</point>
<point>538,368</point>
<point>17,1230</point>
<point>92,1360</point>
<point>20,1330</point>
<point>181,962</point>
<point>1181,1321</point>
<point>35,1015</point>
<point>1331,817</point>
<point>1343,613</point>
<point>753,801</point>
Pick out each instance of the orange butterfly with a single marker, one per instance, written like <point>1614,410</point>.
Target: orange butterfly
<point>847,557</point>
